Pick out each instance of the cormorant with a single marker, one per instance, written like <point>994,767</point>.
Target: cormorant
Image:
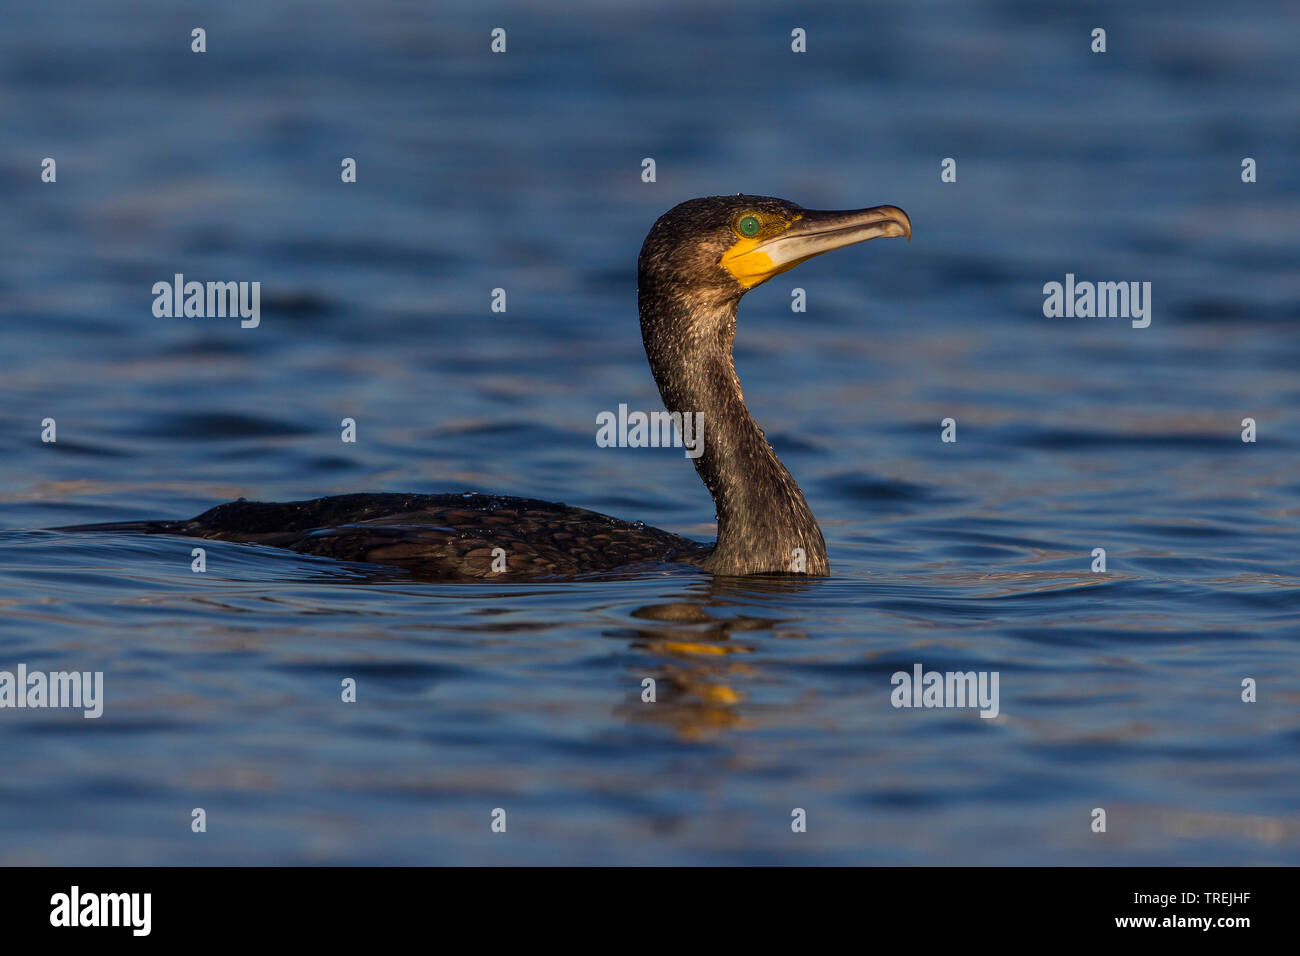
<point>697,261</point>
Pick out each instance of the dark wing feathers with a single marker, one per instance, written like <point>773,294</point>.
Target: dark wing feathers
<point>440,536</point>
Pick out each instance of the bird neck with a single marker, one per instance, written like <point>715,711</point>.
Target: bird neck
<point>764,523</point>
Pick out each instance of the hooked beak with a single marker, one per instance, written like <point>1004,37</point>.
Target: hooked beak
<point>815,232</point>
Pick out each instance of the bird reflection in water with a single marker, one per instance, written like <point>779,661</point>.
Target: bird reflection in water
<point>701,660</point>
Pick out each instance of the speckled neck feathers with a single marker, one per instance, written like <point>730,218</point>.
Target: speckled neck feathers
<point>764,523</point>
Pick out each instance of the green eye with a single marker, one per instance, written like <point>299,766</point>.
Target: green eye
<point>748,226</point>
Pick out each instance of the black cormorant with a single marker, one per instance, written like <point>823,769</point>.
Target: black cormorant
<point>697,261</point>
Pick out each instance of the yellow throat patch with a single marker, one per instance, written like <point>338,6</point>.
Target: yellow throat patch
<point>749,265</point>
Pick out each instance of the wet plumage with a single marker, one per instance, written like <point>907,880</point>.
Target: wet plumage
<point>697,262</point>
<point>438,536</point>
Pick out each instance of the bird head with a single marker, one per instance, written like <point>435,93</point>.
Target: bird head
<point>719,247</point>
